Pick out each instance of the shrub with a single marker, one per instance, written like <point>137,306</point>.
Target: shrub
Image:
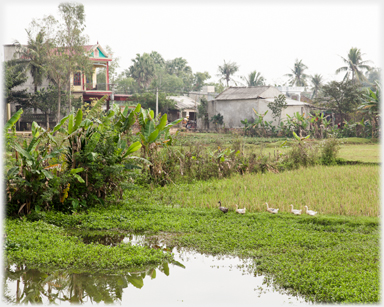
<point>328,150</point>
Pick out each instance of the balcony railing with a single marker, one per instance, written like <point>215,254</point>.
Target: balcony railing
<point>99,87</point>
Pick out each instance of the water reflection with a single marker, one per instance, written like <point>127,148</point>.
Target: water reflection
<point>196,279</point>
<point>23,285</point>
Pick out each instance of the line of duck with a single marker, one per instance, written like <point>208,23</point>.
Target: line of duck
<point>270,210</point>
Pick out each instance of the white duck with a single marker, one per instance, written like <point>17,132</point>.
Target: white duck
<point>295,211</point>
<point>271,210</point>
<point>310,212</point>
<point>241,211</point>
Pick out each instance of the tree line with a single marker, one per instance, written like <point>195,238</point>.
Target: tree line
<point>55,50</point>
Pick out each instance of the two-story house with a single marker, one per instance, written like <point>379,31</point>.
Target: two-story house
<point>83,86</point>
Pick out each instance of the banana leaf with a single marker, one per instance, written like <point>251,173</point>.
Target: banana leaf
<point>13,120</point>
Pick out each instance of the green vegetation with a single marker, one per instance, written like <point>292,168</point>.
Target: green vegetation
<point>326,258</point>
<point>331,257</point>
<point>38,244</point>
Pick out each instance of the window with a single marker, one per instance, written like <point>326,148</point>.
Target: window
<point>77,79</point>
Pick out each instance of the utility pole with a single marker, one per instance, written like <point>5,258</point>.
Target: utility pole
<point>157,101</point>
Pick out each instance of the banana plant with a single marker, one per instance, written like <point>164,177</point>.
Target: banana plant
<point>299,138</point>
<point>152,130</point>
<point>30,179</point>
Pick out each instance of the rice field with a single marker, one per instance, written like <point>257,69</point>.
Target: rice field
<point>341,190</point>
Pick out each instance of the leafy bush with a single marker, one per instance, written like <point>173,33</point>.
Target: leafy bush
<point>91,162</point>
<point>328,149</point>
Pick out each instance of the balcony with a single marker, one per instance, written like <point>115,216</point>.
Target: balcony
<point>99,87</point>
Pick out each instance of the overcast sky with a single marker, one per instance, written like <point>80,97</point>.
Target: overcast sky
<point>266,36</point>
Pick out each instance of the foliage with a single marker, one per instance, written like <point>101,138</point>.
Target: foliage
<point>343,96</point>
<point>30,183</point>
<point>202,111</point>
<point>316,81</point>
<point>354,65</point>
<point>254,79</point>
<point>97,163</point>
<point>298,77</point>
<point>227,70</point>
<point>142,70</point>
<point>39,244</point>
<point>371,102</point>
<point>324,257</point>
<point>217,120</point>
<point>148,101</point>
<point>33,57</point>
<point>200,79</point>
<point>277,106</point>
<point>15,76</point>
<point>329,149</point>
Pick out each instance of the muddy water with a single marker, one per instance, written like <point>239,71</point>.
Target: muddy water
<point>193,280</point>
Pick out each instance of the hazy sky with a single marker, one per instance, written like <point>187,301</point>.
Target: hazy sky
<point>266,36</point>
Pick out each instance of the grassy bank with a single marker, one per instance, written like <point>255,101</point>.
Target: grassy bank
<point>326,258</point>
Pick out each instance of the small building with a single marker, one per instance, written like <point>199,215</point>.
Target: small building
<point>237,103</point>
<point>186,108</point>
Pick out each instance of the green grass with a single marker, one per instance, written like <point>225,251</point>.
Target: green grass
<point>326,258</point>
<point>39,244</point>
<point>345,190</point>
<point>364,153</point>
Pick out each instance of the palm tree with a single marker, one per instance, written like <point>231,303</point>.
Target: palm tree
<point>228,70</point>
<point>355,64</point>
<point>254,79</point>
<point>298,77</point>
<point>317,82</point>
<point>142,70</point>
<point>33,56</point>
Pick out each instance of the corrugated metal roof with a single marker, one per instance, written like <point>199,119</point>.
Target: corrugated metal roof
<point>290,102</point>
<point>232,93</point>
<point>184,102</point>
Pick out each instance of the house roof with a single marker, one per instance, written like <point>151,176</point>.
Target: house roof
<point>232,93</point>
<point>184,102</point>
<point>290,102</point>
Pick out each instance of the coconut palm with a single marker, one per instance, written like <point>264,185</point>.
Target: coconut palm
<point>298,77</point>
<point>254,79</point>
<point>32,56</point>
<point>355,65</point>
<point>228,70</point>
<point>316,81</point>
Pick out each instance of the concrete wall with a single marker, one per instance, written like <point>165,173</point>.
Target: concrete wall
<point>235,111</point>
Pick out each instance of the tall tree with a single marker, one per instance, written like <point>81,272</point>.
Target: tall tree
<point>15,76</point>
<point>32,55</point>
<point>178,67</point>
<point>343,96</point>
<point>199,80</point>
<point>317,82</point>
<point>142,70</point>
<point>298,77</point>
<point>354,66</point>
<point>70,36</point>
<point>227,71</point>
<point>254,79</point>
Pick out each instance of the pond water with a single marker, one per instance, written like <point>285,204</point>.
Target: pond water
<point>194,279</point>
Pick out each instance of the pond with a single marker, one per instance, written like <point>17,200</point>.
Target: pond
<point>193,279</point>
